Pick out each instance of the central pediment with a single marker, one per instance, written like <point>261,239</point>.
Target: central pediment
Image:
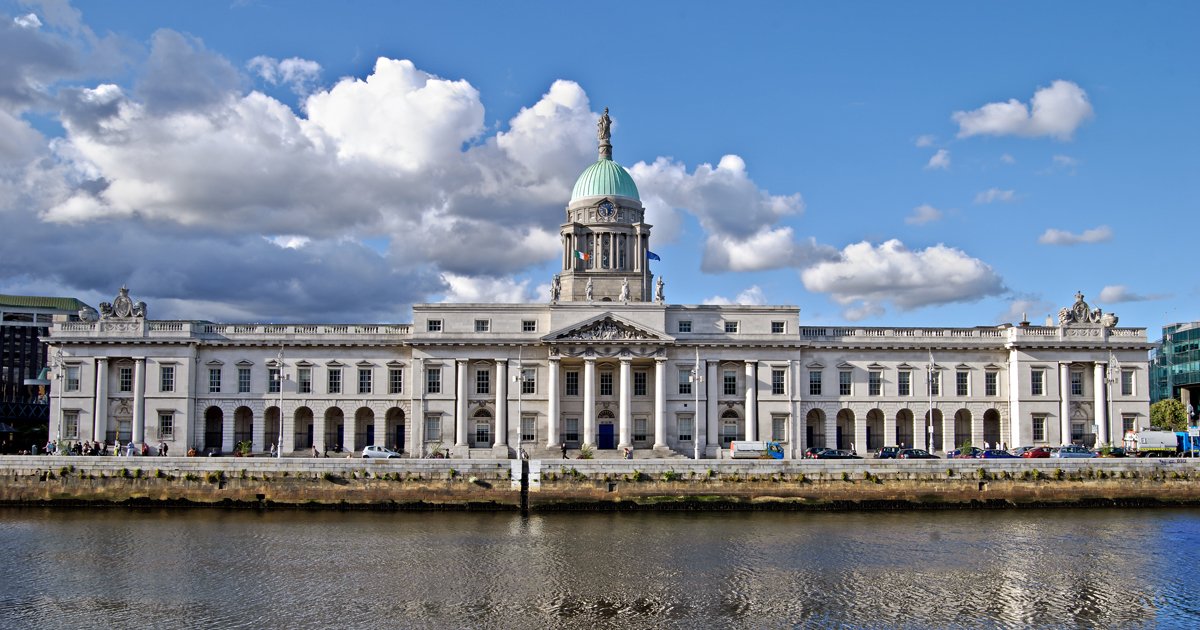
<point>607,328</point>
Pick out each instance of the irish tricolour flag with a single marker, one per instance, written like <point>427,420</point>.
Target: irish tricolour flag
<point>582,256</point>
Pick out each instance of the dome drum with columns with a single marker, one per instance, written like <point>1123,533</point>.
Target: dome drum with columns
<point>605,238</point>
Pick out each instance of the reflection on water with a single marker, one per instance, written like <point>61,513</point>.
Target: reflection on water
<point>221,569</point>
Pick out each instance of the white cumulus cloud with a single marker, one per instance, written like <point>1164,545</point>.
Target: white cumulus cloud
<point>866,277</point>
<point>1115,293</point>
<point>299,74</point>
<point>1056,111</point>
<point>752,296</point>
<point>926,140</point>
<point>923,214</point>
<point>1098,234</point>
<point>482,290</point>
<point>940,160</point>
<point>993,195</point>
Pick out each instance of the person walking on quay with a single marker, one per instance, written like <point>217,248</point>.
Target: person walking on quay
<point>564,450</point>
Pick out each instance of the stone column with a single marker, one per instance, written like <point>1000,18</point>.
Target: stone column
<point>350,428</point>
<point>380,433</point>
<point>948,432</point>
<point>100,415</point>
<point>589,401</point>
<point>502,403</point>
<point>711,433</point>
<point>831,440</point>
<point>625,413</point>
<point>139,400</point>
<point>258,431</point>
<point>1101,403</point>
<point>1014,399</point>
<point>460,403</point>
<point>1064,403</point>
<point>660,403</point>
<point>919,431</point>
<point>318,422</point>
<point>552,435</point>
<point>751,400</point>
<point>860,434</point>
<point>889,430</point>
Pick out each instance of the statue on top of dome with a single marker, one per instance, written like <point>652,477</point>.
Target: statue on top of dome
<point>603,127</point>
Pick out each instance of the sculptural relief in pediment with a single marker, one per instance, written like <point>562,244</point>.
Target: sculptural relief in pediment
<point>606,330</point>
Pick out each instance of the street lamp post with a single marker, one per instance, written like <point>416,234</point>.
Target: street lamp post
<point>279,379</point>
<point>519,379</point>
<point>929,390</point>
<point>56,362</point>
<point>696,380</point>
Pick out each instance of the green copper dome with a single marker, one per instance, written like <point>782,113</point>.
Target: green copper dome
<point>604,178</point>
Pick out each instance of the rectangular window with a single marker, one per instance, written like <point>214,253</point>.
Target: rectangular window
<point>365,385</point>
<point>528,424</point>
<point>528,380</point>
<point>433,428</point>
<point>685,382</point>
<point>304,380</point>
<point>1126,382</point>
<point>729,379</point>
<point>483,325</point>
<point>243,380</point>
<point>529,325</point>
<point>778,382</point>
<point>1076,383</point>
<point>433,381</point>
<point>779,428</point>
<point>433,325</point>
<point>606,384</point>
<point>991,384</point>
<point>845,383</point>
<point>685,325</point>
<point>72,378</point>
<point>571,383</point>
<point>1076,432</point>
<point>639,429</point>
<point>1039,428</point>
<point>1037,384</point>
<point>571,430</point>
<point>639,383</point>
<point>395,380</point>
<point>778,328</point>
<point>166,378</point>
<point>1127,424</point>
<point>335,380</point>
<point>70,425</point>
<point>166,426</point>
<point>685,428</point>
<point>731,327</point>
<point>483,433</point>
<point>814,383</point>
<point>962,383</point>
<point>875,383</point>
<point>904,383</point>
<point>483,382</point>
<point>935,383</point>
<point>272,380</point>
<point>214,380</point>
<point>125,379</point>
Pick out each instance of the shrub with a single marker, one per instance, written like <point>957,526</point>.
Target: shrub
<point>982,474</point>
<point>328,476</point>
<point>799,477</point>
<point>671,475</point>
<point>845,476</point>
<point>453,473</point>
<point>215,476</point>
<point>586,451</point>
<point>639,475</point>
<point>1059,474</point>
<point>158,474</point>
<point>191,477</point>
<point>137,473</point>
<point>64,471</point>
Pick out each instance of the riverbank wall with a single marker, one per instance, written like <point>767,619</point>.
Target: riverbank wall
<point>549,485</point>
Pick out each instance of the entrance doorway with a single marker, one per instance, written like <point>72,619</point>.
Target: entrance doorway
<point>608,436</point>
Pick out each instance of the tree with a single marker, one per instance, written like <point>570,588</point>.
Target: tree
<point>1168,415</point>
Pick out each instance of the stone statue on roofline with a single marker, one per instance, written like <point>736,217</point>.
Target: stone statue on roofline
<point>604,127</point>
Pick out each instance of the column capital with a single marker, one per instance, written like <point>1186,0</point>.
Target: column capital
<point>626,360</point>
<point>660,360</point>
<point>591,360</point>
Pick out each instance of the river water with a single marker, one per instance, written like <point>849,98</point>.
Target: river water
<point>212,568</point>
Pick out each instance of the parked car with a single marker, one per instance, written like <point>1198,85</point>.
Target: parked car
<point>995,453</point>
<point>812,453</point>
<point>968,453</point>
<point>887,452</point>
<point>1036,452</point>
<point>836,454</point>
<point>380,452</point>
<point>1021,450</point>
<point>915,453</point>
<point>1071,451</point>
<point>1115,451</point>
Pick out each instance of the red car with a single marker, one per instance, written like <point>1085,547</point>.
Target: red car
<point>1037,453</point>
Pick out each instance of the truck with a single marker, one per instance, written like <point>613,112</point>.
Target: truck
<point>1153,443</point>
<point>745,449</point>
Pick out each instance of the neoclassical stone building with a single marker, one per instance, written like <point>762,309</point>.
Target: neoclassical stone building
<point>604,362</point>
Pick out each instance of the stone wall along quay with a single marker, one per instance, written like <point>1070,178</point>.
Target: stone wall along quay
<point>546,485</point>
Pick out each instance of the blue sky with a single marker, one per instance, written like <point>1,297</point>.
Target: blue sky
<point>874,163</point>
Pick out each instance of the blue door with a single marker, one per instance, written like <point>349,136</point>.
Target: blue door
<point>608,438</point>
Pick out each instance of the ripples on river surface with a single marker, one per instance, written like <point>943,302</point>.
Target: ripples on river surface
<point>71,568</point>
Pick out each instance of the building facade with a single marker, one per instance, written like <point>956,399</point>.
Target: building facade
<point>605,362</point>
<point>1176,364</point>
<point>24,396</point>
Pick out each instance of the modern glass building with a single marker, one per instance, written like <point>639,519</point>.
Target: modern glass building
<point>1176,364</point>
